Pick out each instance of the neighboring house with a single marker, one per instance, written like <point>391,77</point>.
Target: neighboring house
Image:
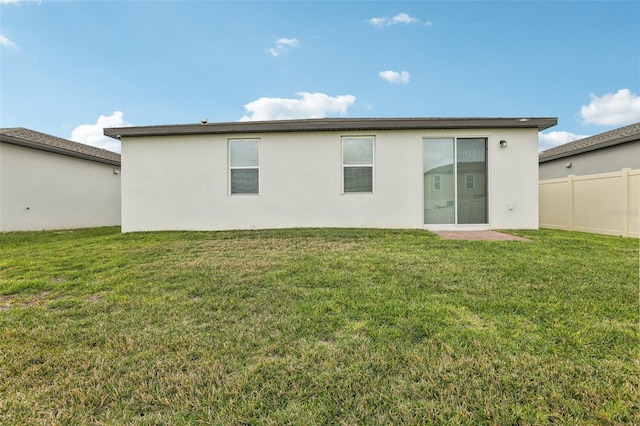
<point>610,151</point>
<point>362,172</point>
<point>593,184</point>
<point>52,183</point>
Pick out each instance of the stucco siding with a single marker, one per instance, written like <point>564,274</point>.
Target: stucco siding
<point>182,182</point>
<point>41,190</point>
<point>610,159</point>
<point>513,179</point>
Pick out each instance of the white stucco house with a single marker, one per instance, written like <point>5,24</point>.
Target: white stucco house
<point>48,182</point>
<point>420,173</point>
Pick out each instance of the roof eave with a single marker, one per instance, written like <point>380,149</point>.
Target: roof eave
<point>630,138</point>
<point>318,125</point>
<point>54,150</point>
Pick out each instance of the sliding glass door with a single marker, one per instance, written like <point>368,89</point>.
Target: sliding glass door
<point>439,185</point>
<point>455,180</point>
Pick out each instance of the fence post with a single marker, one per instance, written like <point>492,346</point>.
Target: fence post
<point>571,201</point>
<point>626,208</point>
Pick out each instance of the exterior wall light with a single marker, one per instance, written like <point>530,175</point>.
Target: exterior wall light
<point>503,143</point>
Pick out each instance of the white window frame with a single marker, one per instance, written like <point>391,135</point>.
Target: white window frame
<point>363,165</point>
<point>229,144</point>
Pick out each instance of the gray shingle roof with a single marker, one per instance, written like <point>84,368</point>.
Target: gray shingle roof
<point>602,140</point>
<point>333,124</point>
<point>44,142</point>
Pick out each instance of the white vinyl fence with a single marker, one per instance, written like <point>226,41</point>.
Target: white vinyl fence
<point>604,203</point>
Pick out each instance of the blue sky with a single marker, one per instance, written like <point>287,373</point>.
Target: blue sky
<point>69,68</point>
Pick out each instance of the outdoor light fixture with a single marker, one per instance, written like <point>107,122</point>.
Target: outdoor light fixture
<point>503,143</point>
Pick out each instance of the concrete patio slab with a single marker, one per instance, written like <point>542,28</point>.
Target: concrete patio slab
<point>479,235</point>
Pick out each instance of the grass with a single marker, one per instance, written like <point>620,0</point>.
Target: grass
<point>317,327</point>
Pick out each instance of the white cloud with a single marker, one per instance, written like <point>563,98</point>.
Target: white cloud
<point>400,18</point>
<point>616,109</point>
<point>308,105</point>
<point>6,42</point>
<point>92,134</point>
<point>395,77</point>
<point>283,45</point>
<point>291,42</point>
<point>553,139</point>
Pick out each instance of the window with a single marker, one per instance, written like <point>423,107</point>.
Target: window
<point>244,166</point>
<point>357,164</point>
<point>458,169</point>
<point>437,182</point>
<point>470,181</point>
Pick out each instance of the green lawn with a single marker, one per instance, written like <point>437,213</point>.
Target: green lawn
<point>317,327</point>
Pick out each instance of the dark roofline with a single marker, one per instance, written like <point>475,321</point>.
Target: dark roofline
<point>602,140</point>
<point>331,124</point>
<point>19,136</point>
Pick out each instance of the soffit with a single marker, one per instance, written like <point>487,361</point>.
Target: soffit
<point>332,124</point>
